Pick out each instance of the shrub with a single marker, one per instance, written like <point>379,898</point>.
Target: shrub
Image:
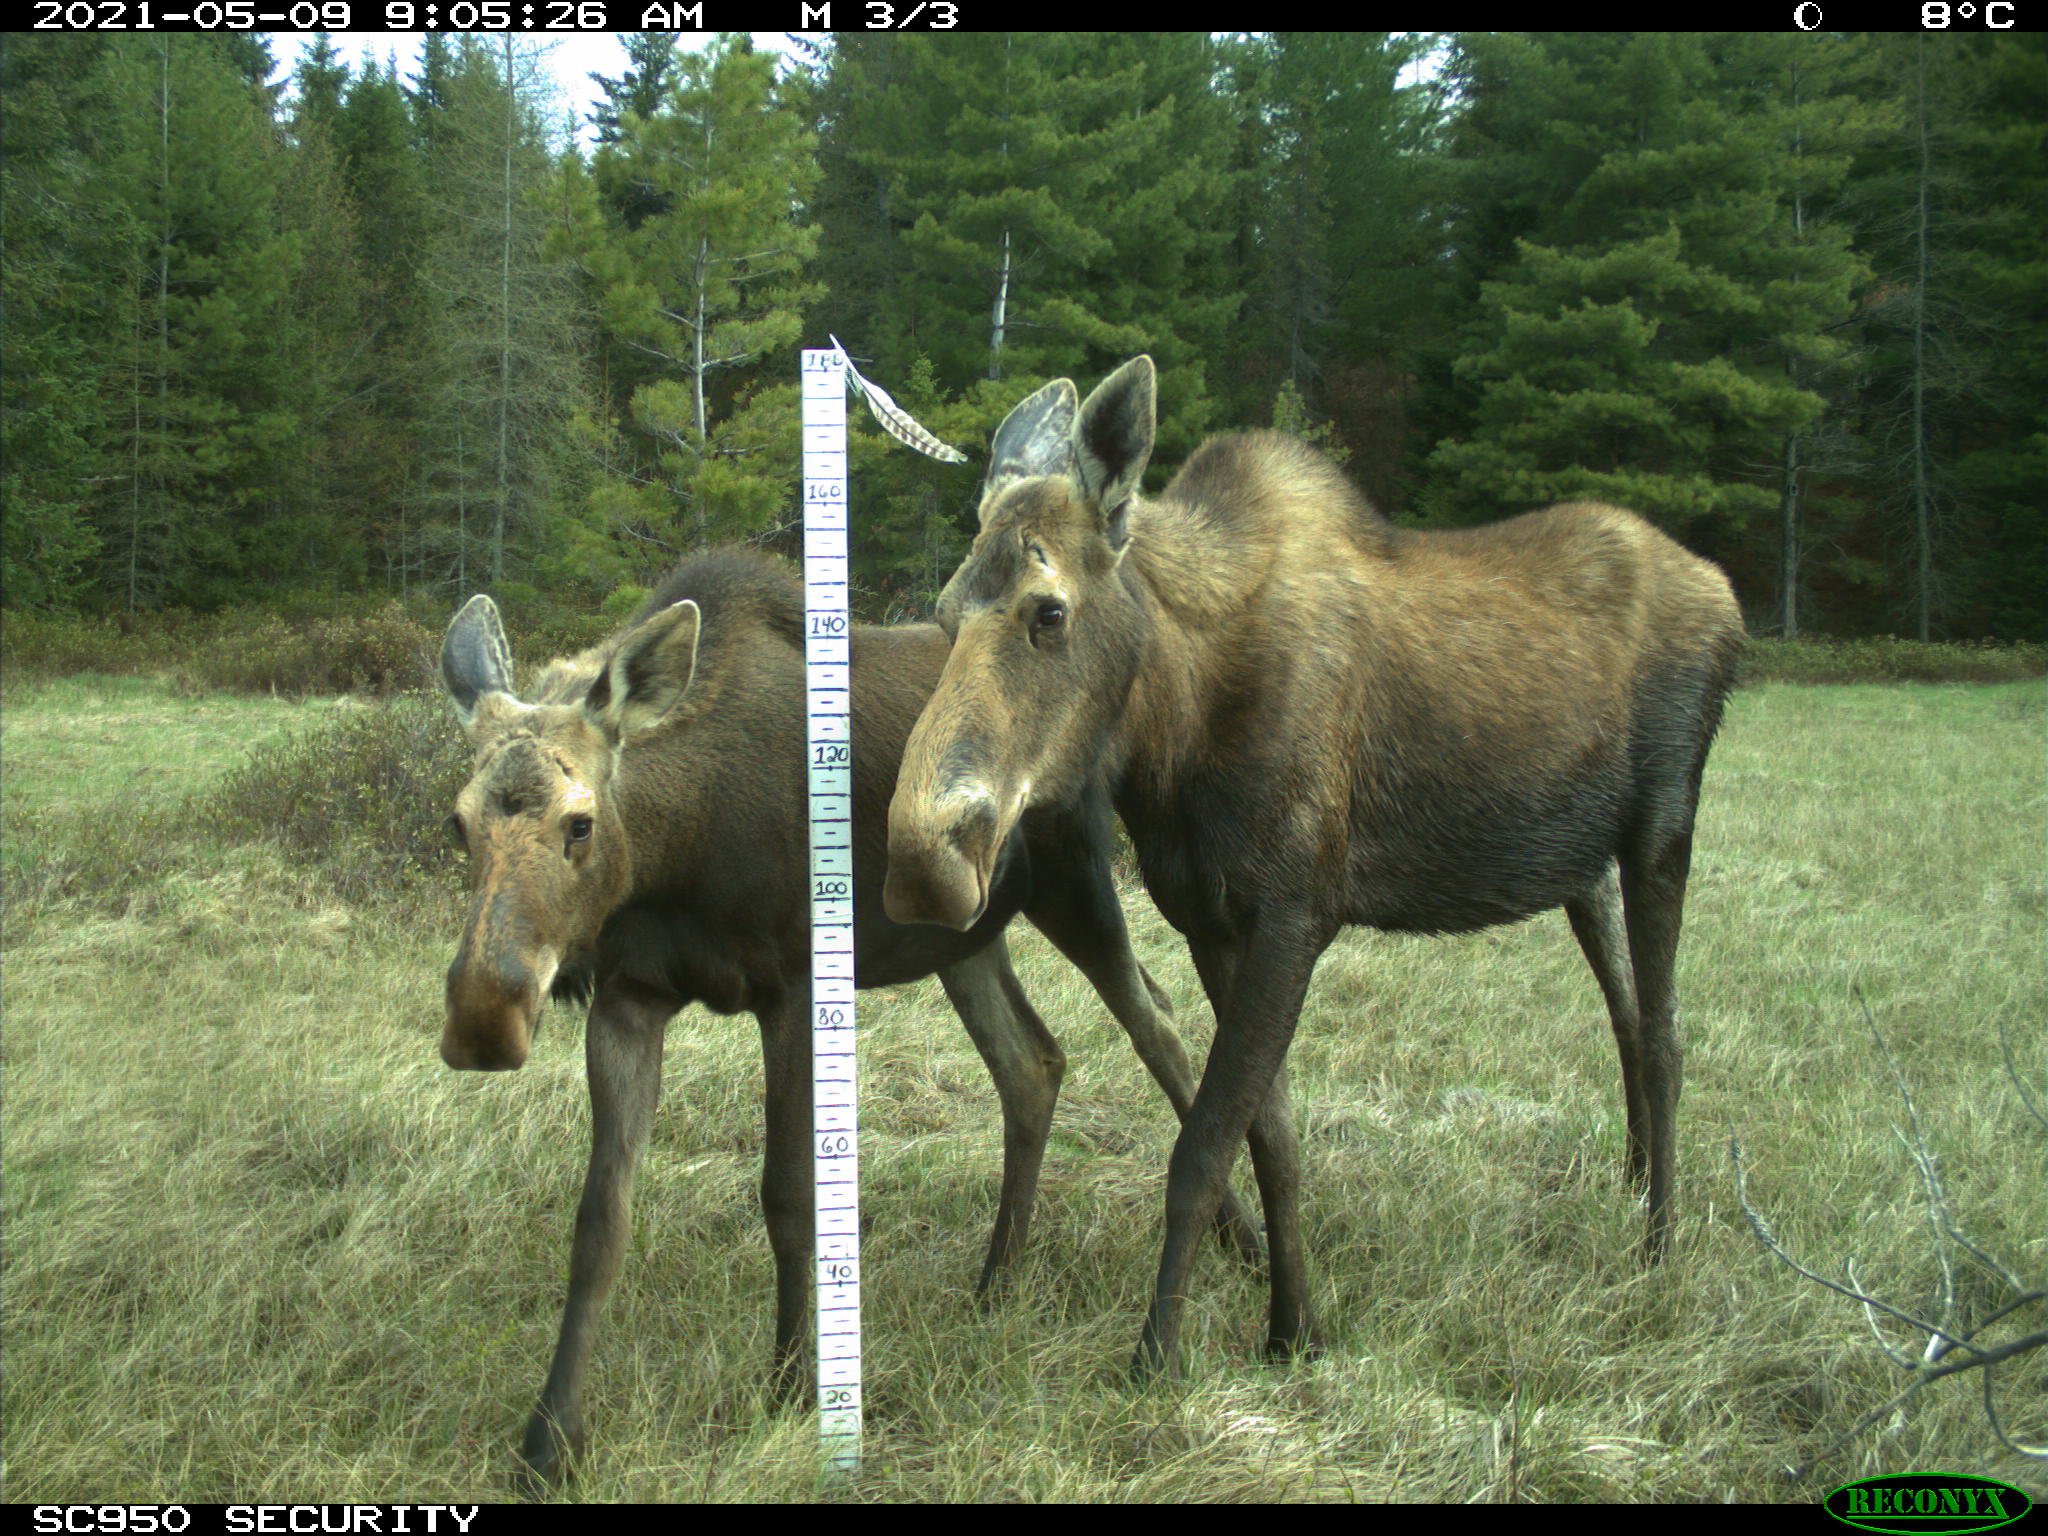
<point>36,645</point>
<point>542,633</point>
<point>378,651</point>
<point>94,861</point>
<point>360,803</point>
<point>363,800</point>
<point>1878,660</point>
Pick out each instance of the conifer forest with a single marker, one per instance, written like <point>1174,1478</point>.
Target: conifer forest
<point>319,332</point>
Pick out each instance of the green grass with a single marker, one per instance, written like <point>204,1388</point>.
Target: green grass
<point>93,744</point>
<point>261,1245</point>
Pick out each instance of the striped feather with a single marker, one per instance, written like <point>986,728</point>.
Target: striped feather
<point>896,421</point>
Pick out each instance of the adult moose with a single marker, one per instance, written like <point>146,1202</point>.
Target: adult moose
<point>637,835</point>
<point>1309,718</point>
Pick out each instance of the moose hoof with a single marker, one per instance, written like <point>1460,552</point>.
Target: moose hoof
<point>1151,1362</point>
<point>789,1380</point>
<point>545,1458</point>
<point>993,1289</point>
<point>1303,1346</point>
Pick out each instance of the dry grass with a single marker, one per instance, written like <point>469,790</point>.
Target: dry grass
<point>261,1245</point>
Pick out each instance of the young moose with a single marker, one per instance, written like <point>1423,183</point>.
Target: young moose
<point>1309,718</point>
<point>637,835</point>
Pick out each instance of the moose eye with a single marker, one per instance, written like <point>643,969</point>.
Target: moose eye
<point>579,829</point>
<point>1050,616</point>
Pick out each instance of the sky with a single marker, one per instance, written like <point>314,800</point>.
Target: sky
<point>573,58</point>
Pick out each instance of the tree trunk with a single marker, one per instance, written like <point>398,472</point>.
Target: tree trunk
<point>1002,310</point>
<point>505,327</point>
<point>1788,541</point>
<point>1923,520</point>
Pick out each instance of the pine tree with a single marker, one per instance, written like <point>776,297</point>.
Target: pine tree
<point>699,297</point>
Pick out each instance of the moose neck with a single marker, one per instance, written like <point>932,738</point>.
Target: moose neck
<point>1191,591</point>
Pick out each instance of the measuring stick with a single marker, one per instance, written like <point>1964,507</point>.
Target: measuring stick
<point>828,679</point>
<point>828,693</point>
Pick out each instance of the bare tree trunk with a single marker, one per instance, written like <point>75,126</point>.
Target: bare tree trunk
<point>505,325</point>
<point>999,319</point>
<point>697,365</point>
<point>461,514</point>
<point>163,332</point>
<point>1922,513</point>
<point>1788,543</point>
<point>1788,488</point>
<point>1002,310</point>
<point>135,466</point>
<point>703,276</point>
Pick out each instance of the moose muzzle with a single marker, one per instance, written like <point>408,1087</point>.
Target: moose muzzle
<point>492,1012</point>
<point>941,854</point>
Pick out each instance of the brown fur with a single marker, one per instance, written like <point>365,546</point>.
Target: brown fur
<point>1309,718</point>
<point>681,742</point>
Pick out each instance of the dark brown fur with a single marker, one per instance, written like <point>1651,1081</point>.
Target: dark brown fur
<point>1309,718</point>
<point>638,835</point>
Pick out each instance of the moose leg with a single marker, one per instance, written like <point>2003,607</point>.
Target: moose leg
<point>1653,895</point>
<point>788,1190</point>
<point>1259,989</point>
<point>1276,1160</point>
<point>1085,921</point>
<point>1276,1163</point>
<point>1597,921</point>
<point>1027,1065</point>
<point>622,1045</point>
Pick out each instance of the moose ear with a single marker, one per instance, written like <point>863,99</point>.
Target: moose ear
<point>648,674</point>
<point>475,660</point>
<point>1036,438</point>
<point>1113,442</point>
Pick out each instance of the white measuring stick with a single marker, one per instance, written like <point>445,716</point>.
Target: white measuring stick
<point>828,679</point>
<point>828,694</point>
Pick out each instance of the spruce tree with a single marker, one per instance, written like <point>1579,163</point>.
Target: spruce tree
<point>64,255</point>
<point>203,421</point>
<point>1631,343</point>
<point>2001,462</point>
<point>395,340</point>
<point>500,375</point>
<point>999,209</point>
<point>640,89</point>
<point>1952,406</point>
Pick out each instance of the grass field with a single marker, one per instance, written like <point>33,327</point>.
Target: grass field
<point>261,1245</point>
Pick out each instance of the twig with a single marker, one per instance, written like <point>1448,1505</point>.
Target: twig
<point>1941,1340</point>
<point>1765,1236</point>
<point>2012,1071</point>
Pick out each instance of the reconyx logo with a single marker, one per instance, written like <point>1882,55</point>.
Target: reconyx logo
<point>1928,1502</point>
